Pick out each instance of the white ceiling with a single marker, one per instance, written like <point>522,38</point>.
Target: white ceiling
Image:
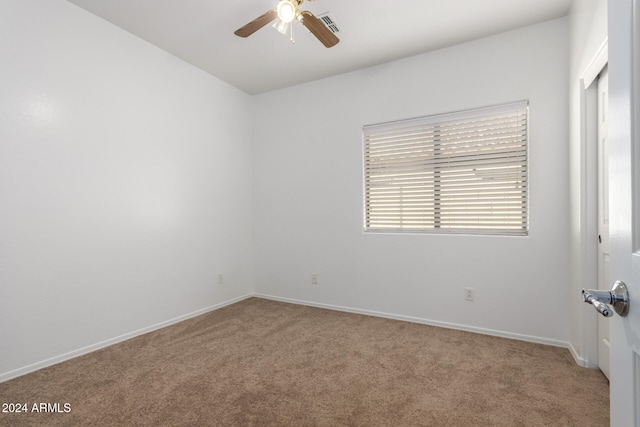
<point>371,32</point>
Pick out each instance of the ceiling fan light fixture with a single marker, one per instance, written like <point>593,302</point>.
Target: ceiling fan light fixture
<point>287,11</point>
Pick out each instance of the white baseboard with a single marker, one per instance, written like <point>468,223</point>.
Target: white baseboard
<point>6,376</point>
<point>503,334</point>
<point>580,361</point>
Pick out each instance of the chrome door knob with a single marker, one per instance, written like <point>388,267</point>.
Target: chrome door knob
<point>617,297</point>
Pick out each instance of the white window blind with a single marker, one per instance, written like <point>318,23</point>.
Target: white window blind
<point>462,172</point>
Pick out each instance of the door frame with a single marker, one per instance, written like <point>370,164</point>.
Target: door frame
<point>587,270</point>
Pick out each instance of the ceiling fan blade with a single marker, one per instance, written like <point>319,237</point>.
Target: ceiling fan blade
<point>256,24</point>
<point>318,29</point>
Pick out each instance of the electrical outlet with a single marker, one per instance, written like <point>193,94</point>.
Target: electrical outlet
<point>468,294</point>
<point>220,279</point>
<point>314,279</point>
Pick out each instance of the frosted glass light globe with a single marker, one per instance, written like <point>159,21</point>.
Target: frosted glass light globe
<point>286,11</point>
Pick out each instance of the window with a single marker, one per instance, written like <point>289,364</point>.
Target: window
<point>463,172</point>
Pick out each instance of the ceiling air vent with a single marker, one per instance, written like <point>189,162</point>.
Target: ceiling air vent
<point>329,22</point>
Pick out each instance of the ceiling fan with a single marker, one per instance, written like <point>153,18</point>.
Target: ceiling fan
<point>284,15</point>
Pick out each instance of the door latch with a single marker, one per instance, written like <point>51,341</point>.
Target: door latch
<point>617,297</point>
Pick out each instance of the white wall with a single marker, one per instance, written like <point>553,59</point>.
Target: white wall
<point>588,19</point>
<point>308,192</point>
<point>125,185</point>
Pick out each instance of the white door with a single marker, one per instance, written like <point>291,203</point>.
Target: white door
<point>624,206</point>
<point>603,216</point>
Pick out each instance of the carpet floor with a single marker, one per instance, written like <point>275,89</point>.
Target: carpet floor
<point>265,363</point>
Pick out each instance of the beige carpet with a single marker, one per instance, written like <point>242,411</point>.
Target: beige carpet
<point>266,363</point>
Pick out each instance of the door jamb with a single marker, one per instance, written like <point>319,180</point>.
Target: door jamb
<point>588,271</point>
